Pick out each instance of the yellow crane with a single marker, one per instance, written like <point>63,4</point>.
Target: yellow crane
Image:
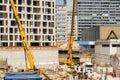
<point>69,61</point>
<point>24,40</point>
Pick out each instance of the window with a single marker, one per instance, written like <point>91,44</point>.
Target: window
<point>53,4</point>
<point>36,3</point>
<point>11,30</point>
<point>11,37</point>
<point>52,17</point>
<point>2,15</point>
<point>4,37</point>
<point>50,31</point>
<point>1,22</point>
<point>16,30</point>
<point>37,24</point>
<point>18,44</point>
<point>115,45</point>
<point>36,10</point>
<point>37,38</point>
<point>48,38</point>
<point>3,7</point>
<point>44,24</point>
<point>49,17</point>
<point>105,45</point>
<point>42,10</point>
<point>10,15</point>
<point>11,43</point>
<point>48,11</point>
<point>5,1</point>
<point>51,24</point>
<point>28,9</point>
<point>10,8</point>
<point>48,4</point>
<point>44,17</point>
<point>42,3</point>
<point>44,31</point>
<point>47,44</point>
<point>6,30</point>
<point>13,23</point>
<point>1,30</point>
<point>19,9</point>
<point>23,23</point>
<point>34,30</point>
<point>19,16</point>
<point>28,16</point>
<point>1,1</point>
<point>23,8</point>
<point>34,44</point>
<point>28,2</point>
<point>4,44</point>
<point>19,1</point>
<point>37,17</point>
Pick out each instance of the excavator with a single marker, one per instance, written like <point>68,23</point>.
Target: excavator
<point>69,60</point>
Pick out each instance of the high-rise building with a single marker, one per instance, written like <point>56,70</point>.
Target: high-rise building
<point>69,22</point>
<point>69,19</point>
<point>64,18</point>
<point>61,23</point>
<point>97,13</point>
<point>37,18</point>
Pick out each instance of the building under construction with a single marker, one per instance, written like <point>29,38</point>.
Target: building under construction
<point>37,18</point>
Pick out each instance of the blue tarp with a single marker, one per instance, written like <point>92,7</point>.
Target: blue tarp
<point>22,76</point>
<point>83,42</point>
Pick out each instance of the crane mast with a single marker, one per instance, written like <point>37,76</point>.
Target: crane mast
<point>69,61</point>
<point>24,39</point>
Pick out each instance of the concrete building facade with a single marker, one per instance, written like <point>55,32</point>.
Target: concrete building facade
<point>100,33</point>
<point>69,19</point>
<point>37,18</point>
<point>97,13</point>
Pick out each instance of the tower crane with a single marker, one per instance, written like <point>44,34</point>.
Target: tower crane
<point>69,60</point>
<point>29,57</point>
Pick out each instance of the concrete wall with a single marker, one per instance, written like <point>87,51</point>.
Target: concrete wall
<point>43,57</point>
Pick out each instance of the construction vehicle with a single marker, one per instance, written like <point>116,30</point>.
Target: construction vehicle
<point>70,61</point>
<point>28,55</point>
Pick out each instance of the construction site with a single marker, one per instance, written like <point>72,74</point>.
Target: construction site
<point>37,56</point>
